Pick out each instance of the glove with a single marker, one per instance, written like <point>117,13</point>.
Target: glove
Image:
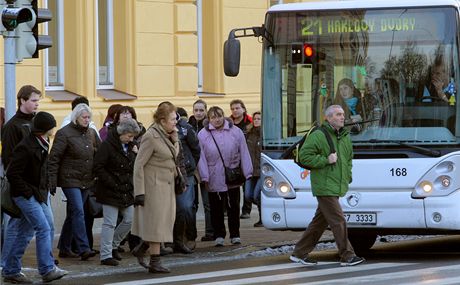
<point>139,200</point>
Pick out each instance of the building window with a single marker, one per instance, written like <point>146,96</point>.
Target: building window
<point>54,56</point>
<point>104,9</point>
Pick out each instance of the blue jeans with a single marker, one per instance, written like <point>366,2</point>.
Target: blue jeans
<point>10,231</point>
<point>185,212</point>
<point>36,219</point>
<point>9,235</point>
<point>74,224</point>
<point>252,188</point>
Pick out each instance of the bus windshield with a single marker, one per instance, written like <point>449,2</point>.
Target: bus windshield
<point>394,72</point>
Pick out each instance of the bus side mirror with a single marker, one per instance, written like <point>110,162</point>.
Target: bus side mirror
<point>232,57</point>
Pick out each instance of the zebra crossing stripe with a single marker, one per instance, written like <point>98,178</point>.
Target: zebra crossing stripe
<point>303,274</point>
<point>431,276</point>
<point>246,270</point>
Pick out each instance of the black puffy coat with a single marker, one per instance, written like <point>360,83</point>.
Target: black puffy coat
<point>190,146</point>
<point>72,156</point>
<point>114,171</point>
<point>197,125</point>
<point>27,172</point>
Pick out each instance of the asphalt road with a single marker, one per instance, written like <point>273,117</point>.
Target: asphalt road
<point>425,261</point>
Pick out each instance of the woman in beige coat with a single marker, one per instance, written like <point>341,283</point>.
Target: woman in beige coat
<point>154,172</point>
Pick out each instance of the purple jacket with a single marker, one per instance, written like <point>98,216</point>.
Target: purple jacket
<point>232,145</point>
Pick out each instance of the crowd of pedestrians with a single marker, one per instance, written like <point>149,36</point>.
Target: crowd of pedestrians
<point>127,175</point>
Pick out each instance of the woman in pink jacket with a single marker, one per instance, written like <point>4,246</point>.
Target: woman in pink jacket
<point>220,135</point>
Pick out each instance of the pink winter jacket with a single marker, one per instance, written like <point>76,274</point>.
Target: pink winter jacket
<point>232,145</point>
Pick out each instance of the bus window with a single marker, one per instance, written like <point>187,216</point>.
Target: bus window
<point>390,56</point>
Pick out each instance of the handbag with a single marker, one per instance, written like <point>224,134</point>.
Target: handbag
<point>93,207</point>
<point>233,176</point>
<point>8,205</point>
<point>180,184</point>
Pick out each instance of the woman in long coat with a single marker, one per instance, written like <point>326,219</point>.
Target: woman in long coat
<point>154,173</point>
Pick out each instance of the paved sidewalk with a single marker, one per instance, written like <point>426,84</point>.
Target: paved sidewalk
<point>254,241</point>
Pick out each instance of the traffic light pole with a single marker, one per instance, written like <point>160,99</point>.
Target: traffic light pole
<point>10,73</point>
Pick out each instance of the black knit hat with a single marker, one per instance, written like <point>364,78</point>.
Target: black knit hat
<point>181,111</point>
<point>43,122</point>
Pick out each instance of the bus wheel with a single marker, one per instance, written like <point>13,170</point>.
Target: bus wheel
<point>361,241</point>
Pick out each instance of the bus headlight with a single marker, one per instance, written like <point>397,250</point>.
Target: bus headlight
<point>440,180</point>
<point>285,190</point>
<point>268,183</point>
<point>266,169</point>
<point>445,181</point>
<point>426,186</point>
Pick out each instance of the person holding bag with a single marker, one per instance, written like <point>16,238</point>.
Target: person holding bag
<point>27,173</point>
<point>113,166</point>
<point>155,170</point>
<point>223,152</point>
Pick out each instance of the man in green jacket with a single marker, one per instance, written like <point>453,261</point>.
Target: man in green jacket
<point>330,176</point>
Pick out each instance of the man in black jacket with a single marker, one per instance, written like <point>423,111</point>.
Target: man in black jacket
<point>184,234</point>
<point>200,109</point>
<point>13,132</point>
<point>27,174</point>
<point>19,125</point>
<point>241,119</point>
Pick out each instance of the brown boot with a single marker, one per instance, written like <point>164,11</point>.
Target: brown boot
<point>155,265</point>
<point>139,252</point>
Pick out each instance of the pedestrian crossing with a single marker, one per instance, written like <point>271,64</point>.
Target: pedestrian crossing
<point>330,273</point>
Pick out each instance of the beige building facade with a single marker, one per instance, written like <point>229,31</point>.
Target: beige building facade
<point>140,53</point>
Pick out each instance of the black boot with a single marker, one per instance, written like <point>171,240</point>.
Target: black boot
<point>155,265</point>
<point>139,252</point>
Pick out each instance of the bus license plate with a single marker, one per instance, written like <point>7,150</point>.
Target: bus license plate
<point>361,218</point>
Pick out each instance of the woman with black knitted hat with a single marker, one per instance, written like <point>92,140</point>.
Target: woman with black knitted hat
<point>27,174</point>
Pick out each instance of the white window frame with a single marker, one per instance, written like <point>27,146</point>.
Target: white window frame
<point>60,49</point>
<point>110,45</point>
<point>199,8</point>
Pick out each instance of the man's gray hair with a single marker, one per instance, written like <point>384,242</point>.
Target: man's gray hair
<point>128,126</point>
<point>78,111</point>
<point>330,110</point>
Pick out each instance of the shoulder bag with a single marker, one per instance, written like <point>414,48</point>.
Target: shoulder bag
<point>8,205</point>
<point>233,176</point>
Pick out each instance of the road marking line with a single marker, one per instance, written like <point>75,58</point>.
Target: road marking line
<point>316,273</point>
<point>391,276</point>
<point>212,274</point>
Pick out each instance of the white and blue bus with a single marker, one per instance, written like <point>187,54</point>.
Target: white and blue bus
<point>403,60</point>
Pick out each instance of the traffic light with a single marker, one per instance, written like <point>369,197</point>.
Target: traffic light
<point>28,41</point>
<point>296,53</point>
<point>302,53</point>
<point>13,16</point>
<point>306,53</point>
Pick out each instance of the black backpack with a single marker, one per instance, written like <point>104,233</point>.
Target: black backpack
<point>298,145</point>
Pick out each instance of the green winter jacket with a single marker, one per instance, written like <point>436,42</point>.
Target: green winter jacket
<point>328,179</point>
